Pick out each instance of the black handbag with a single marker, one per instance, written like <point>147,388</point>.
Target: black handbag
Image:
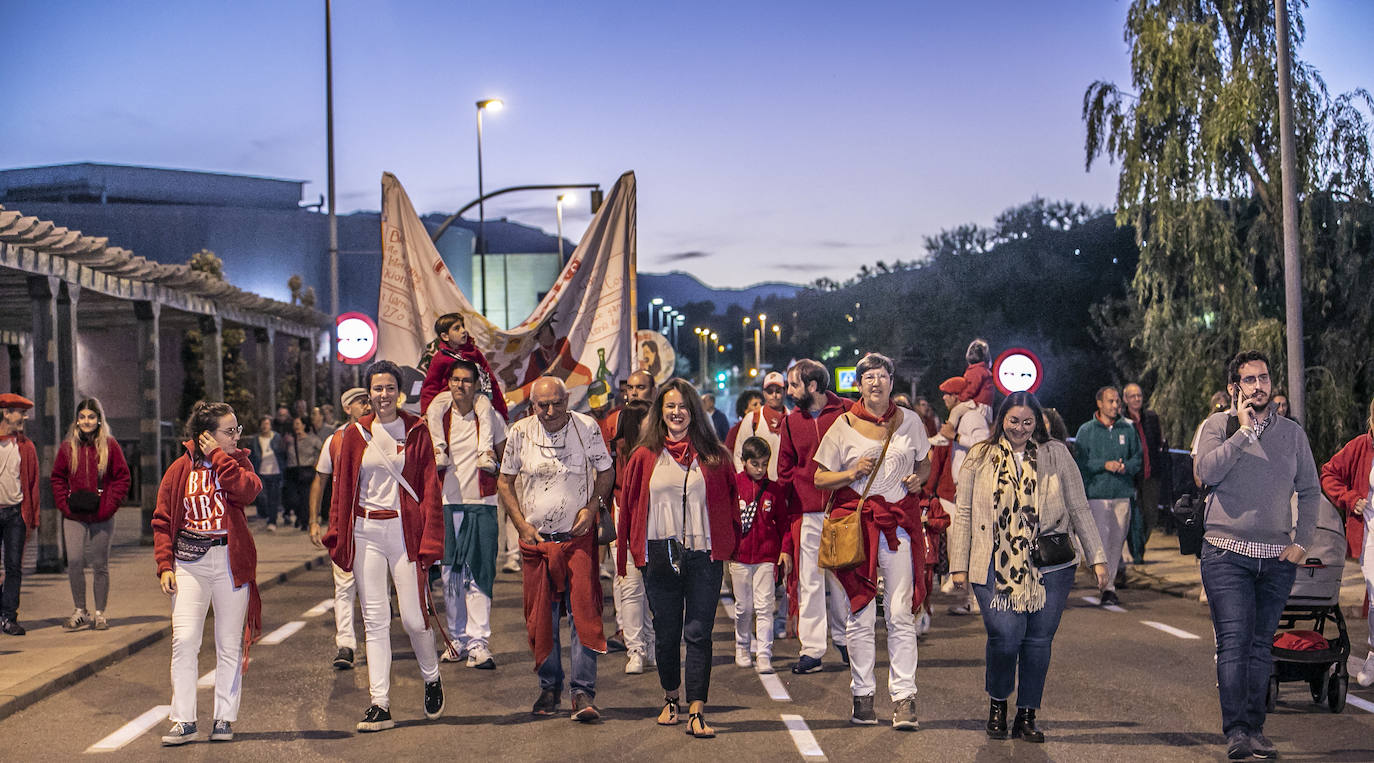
<point>605,525</point>
<point>84,502</point>
<point>1188,512</point>
<point>1051,549</point>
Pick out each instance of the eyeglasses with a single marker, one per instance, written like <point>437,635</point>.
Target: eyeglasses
<point>874,378</point>
<point>1251,381</point>
<point>232,431</point>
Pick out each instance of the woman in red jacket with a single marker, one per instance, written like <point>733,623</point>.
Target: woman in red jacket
<point>89,481</point>
<point>680,523</point>
<point>206,558</point>
<point>1346,480</point>
<point>385,518</point>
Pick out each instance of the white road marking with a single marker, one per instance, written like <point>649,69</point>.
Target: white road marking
<point>775,688</point>
<point>283,633</point>
<point>1096,602</point>
<point>206,681</point>
<point>803,738</point>
<point>1363,704</point>
<point>1169,629</point>
<point>131,730</point>
<point>319,609</point>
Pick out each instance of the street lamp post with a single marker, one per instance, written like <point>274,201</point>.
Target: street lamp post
<point>653,311</point>
<point>744,341</point>
<point>492,104</point>
<point>562,197</point>
<point>762,338</point>
<point>333,218</point>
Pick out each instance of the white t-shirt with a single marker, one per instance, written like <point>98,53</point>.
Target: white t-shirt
<point>554,471</point>
<point>267,465</point>
<point>774,439</point>
<point>665,503</point>
<point>11,483</point>
<point>972,430</point>
<point>843,446</point>
<point>469,436</point>
<point>377,489</point>
<point>326,463</point>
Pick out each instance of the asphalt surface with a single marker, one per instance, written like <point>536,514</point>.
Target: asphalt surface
<point>1118,690</point>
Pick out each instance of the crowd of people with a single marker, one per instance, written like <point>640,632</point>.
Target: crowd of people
<point>808,511</point>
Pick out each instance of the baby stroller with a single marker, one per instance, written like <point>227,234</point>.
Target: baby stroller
<point>1316,656</point>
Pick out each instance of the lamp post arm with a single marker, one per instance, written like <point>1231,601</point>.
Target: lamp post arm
<point>482,199</point>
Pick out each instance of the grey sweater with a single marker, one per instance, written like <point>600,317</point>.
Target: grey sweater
<point>1253,483</point>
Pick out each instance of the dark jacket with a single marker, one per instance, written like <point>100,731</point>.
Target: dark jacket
<point>1156,448</point>
<point>278,445</point>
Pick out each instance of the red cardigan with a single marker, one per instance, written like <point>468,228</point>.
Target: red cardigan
<point>241,487</point>
<point>114,484</point>
<point>1345,480</point>
<point>722,508</point>
<point>422,522</point>
<point>28,480</point>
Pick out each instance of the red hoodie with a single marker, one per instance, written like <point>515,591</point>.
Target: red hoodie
<point>240,486</point>
<point>113,485</point>
<point>764,539</point>
<point>436,378</point>
<point>977,384</point>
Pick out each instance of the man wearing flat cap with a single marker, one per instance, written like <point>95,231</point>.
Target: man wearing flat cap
<point>18,503</point>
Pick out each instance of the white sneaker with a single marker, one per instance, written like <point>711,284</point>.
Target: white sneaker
<point>763,664</point>
<point>454,653</point>
<point>742,658</point>
<point>479,657</point>
<point>1366,675</point>
<point>634,664</point>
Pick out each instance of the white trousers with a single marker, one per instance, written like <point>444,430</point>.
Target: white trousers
<point>379,550</point>
<point>1367,565</point>
<point>1112,517</point>
<point>632,614</point>
<point>812,583</point>
<point>202,584</point>
<point>466,608</point>
<point>753,588</point>
<point>345,592</point>
<point>898,582</point>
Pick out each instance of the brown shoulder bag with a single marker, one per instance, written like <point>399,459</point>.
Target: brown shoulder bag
<point>842,545</point>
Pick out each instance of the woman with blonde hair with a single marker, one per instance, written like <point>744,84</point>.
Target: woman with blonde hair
<point>89,480</point>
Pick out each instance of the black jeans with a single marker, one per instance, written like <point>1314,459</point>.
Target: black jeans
<point>12,532</point>
<point>694,592</point>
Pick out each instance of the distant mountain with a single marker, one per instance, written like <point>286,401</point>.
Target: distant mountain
<point>679,288</point>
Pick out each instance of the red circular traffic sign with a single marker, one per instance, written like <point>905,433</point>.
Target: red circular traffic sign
<point>355,336</point>
<point>1017,370</point>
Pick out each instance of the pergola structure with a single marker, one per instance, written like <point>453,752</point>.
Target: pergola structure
<point>54,282</point>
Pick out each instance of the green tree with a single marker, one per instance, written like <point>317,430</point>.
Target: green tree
<point>1197,141</point>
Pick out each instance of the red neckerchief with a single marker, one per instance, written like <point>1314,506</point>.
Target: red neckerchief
<point>4,437</point>
<point>681,451</point>
<point>861,412</point>
<point>773,417</point>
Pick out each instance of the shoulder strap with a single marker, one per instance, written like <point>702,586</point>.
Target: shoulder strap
<point>891,430</point>
<point>386,462</point>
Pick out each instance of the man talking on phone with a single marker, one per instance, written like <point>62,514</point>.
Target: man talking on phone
<point>1254,460</point>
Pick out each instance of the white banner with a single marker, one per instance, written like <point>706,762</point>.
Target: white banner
<point>590,307</point>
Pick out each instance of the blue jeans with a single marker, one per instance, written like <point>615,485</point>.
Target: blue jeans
<point>269,500</point>
<point>1019,642</point>
<point>583,659</point>
<point>1246,596</point>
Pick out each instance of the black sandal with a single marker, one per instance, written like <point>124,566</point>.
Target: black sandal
<point>674,710</point>
<point>695,718</point>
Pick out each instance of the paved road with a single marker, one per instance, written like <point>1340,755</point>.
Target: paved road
<point>1118,690</point>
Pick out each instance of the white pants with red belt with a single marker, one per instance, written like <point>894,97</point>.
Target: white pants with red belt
<point>379,550</point>
<point>813,609</point>
<point>202,584</point>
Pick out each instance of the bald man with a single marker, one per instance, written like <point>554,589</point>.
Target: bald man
<point>639,386</point>
<point>556,473</point>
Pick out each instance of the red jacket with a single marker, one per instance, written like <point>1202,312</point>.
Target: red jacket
<point>1345,480</point>
<point>422,522</point>
<point>722,508</point>
<point>436,378</point>
<point>114,484</point>
<point>977,384</point>
<point>801,435</point>
<point>764,539</point>
<point>241,487</point>
<point>28,480</point>
<point>941,481</point>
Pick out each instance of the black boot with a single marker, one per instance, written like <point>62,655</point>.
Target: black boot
<point>997,719</point>
<point>1024,726</point>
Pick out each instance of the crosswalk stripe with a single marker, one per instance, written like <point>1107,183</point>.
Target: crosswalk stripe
<point>131,730</point>
<point>803,738</point>
<point>1363,704</point>
<point>1169,629</point>
<point>283,633</point>
<point>319,609</point>
<point>774,687</point>
<point>1096,602</point>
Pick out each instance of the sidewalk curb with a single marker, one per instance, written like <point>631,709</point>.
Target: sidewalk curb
<point>65,675</point>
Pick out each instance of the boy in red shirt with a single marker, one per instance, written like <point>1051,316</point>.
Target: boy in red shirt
<point>752,574</point>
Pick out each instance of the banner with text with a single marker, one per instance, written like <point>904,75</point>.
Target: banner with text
<point>588,309</point>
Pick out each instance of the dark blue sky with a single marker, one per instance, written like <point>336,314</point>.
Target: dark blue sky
<point>772,140</point>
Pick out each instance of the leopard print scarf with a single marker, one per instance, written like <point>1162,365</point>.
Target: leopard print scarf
<point>1018,584</point>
